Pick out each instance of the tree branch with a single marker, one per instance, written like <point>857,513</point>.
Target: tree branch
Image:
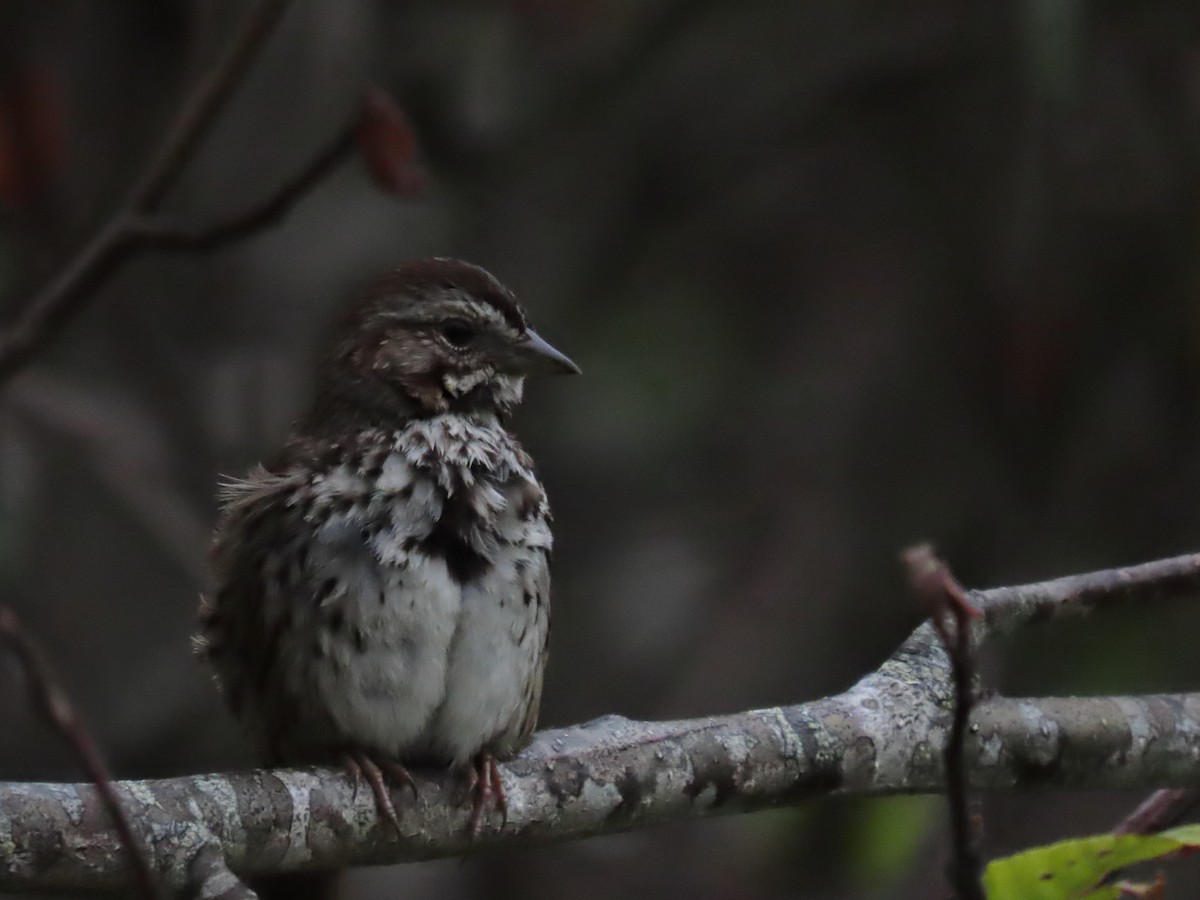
<point>610,775</point>
<point>161,233</point>
<point>1160,810</point>
<point>201,109</point>
<point>112,245</point>
<point>1008,608</point>
<point>881,736</point>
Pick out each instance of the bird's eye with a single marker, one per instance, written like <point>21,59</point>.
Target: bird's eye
<point>458,333</point>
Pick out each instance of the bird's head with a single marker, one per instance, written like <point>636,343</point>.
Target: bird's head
<point>433,336</point>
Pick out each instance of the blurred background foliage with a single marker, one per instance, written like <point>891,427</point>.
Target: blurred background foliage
<point>840,276</point>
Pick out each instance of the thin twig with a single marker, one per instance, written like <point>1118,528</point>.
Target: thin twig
<point>126,452</point>
<point>1160,810</point>
<point>1008,608</point>
<point>51,701</point>
<point>203,106</point>
<point>111,246</point>
<point>951,613</point>
<point>159,232</point>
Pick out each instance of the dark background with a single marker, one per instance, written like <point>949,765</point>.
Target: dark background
<point>841,276</point>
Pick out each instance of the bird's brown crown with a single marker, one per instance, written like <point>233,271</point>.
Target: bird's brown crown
<point>429,337</point>
<point>427,278</point>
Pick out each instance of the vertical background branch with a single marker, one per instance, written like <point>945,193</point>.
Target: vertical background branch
<point>51,702</point>
<point>943,598</point>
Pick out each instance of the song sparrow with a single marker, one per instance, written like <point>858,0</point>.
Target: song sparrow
<point>381,591</point>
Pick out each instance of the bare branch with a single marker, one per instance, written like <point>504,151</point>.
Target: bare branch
<point>1008,608</point>
<point>206,102</point>
<point>880,736</point>
<point>122,446</point>
<point>1159,811</point>
<point>159,232</point>
<point>51,702</point>
<point>112,245</point>
<point>610,775</point>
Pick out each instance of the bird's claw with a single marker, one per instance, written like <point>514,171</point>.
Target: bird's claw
<point>486,788</point>
<point>378,774</point>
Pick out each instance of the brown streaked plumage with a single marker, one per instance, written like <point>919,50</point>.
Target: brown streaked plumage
<point>380,591</point>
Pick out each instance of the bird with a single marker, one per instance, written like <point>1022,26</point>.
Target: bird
<point>379,591</point>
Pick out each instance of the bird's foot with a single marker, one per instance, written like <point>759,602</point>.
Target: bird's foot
<point>381,774</point>
<point>486,789</point>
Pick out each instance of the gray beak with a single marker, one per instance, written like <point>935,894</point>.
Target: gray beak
<point>532,354</point>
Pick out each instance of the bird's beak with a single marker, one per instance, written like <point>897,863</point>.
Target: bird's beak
<point>532,354</point>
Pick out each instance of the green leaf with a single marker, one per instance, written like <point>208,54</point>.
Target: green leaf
<point>1075,869</point>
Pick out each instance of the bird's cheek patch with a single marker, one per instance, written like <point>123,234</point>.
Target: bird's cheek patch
<point>459,383</point>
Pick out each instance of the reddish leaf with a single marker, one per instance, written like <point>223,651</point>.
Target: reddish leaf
<point>388,146</point>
